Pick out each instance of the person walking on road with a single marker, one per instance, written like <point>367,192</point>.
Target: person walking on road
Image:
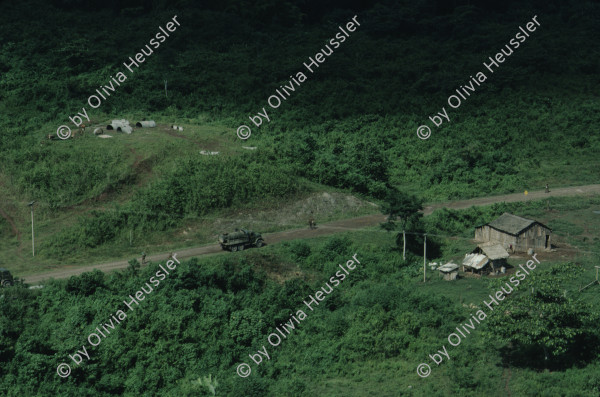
<point>547,188</point>
<point>143,258</point>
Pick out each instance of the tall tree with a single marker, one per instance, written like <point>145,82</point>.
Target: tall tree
<point>403,211</point>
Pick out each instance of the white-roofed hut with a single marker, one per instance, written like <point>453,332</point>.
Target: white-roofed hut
<point>449,271</point>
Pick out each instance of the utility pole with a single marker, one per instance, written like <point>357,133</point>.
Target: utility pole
<point>424,256</point>
<point>32,235</point>
<point>404,247</point>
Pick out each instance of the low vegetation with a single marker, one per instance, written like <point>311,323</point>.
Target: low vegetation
<point>200,323</point>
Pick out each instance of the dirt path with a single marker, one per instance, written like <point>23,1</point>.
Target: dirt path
<point>270,238</point>
<point>323,230</point>
<point>511,198</point>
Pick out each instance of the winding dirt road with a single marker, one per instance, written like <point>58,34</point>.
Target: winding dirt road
<point>323,230</point>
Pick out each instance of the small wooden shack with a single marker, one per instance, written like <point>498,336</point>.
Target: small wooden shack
<point>449,271</point>
<point>495,253</point>
<point>514,233</point>
<point>486,258</point>
<point>476,263</point>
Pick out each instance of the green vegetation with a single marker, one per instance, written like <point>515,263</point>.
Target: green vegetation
<point>547,327</point>
<point>349,131</point>
<point>189,335</point>
<point>350,126</point>
<point>195,186</point>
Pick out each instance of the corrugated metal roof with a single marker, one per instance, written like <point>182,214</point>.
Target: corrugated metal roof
<point>476,261</point>
<point>448,267</point>
<point>494,251</point>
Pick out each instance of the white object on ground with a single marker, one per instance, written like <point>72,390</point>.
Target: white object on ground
<point>146,124</point>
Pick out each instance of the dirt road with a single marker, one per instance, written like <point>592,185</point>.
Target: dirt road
<point>511,198</point>
<point>324,229</point>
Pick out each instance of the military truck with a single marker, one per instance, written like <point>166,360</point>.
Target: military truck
<point>6,279</point>
<point>240,239</point>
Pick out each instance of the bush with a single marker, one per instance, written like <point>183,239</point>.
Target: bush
<point>300,249</point>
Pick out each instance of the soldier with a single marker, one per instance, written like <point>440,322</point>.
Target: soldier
<point>547,189</point>
<point>311,222</point>
<point>143,258</point>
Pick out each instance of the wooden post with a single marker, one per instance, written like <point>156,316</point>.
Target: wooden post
<point>404,247</point>
<point>424,257</point>
<point>32,235</point>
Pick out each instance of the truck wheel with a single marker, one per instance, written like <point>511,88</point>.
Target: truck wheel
<point>259,243</point>
<point>6,283</point>
<point>241,247</point>
<point>234,248</point>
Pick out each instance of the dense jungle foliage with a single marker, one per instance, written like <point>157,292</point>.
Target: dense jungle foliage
<point>208,316</point>
<point>351,124</point>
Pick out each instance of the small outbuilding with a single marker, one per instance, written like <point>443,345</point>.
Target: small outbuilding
<point>486,258</point>
<point>476,263</point>
<point>514,233</point>
<point>495,253</point>
<point>449,271</point>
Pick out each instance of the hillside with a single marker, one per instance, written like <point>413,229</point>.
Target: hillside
<point>336,95</point>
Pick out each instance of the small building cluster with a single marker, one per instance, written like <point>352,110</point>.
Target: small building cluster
<point>498,239</point>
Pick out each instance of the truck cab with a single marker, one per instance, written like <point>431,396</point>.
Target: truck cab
<point>6,279</point>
